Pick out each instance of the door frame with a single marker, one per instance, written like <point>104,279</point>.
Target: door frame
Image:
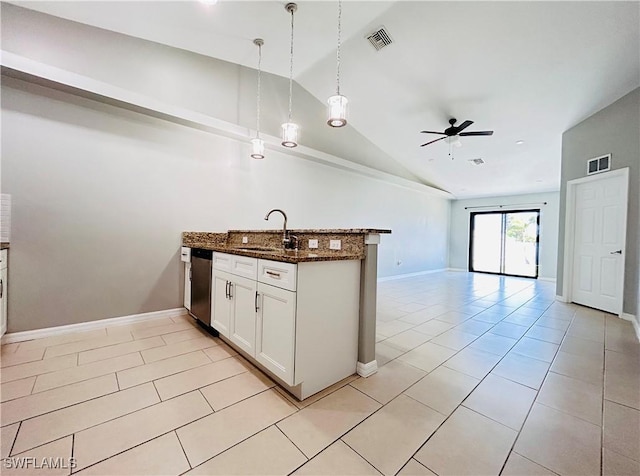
<point>472,216</point>
<point>570,230</point>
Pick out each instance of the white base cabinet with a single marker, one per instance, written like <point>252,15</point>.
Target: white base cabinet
<point>299,323</point>
<point>276,331</point>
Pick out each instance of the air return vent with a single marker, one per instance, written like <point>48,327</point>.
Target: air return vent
<point>599,164</point>
<point>379,38</point>
<point>476,161</point>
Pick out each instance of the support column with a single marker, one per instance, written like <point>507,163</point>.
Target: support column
<point>367,364</point>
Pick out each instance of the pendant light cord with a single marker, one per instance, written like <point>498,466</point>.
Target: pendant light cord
<point>258,98</point>
<point>291,68</point>
<point>338,50</point>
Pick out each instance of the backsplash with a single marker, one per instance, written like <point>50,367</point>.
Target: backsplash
<point>5,218</point>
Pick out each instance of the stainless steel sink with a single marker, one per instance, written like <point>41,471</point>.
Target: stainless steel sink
<point>261,249</point>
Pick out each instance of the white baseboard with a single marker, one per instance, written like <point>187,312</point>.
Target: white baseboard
<point>410,275</point>
<point>91,325</point>
<point>458,270</point>
<point>634,321</point>
<point>365,370</point>
<point>561,298</point>
<point>550,280</point>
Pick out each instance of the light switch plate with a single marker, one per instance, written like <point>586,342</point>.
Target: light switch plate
<point>335,244</point>
<point>245,240</point>
<point>313,244</point>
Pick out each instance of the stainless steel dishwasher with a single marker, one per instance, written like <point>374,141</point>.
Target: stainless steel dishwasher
<point>201,285</point>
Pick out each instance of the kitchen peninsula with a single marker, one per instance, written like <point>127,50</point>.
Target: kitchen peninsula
<point>301,304</point>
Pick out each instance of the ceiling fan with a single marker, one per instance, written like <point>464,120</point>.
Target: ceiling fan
<point>453,131</point>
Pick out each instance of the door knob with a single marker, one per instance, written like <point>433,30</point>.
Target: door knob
<point>618,252</point>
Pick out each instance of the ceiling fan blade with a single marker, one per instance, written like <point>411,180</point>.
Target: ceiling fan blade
<point>433,132</point>
<point>477,133</point>
<point>463,126</point>
<point>433,141</point>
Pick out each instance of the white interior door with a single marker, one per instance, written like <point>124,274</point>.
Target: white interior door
<point>599,238</point>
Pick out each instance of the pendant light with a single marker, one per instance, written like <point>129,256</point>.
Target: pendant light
<point>338,103</point>
<point>257,144</point>
<point>290,129</point>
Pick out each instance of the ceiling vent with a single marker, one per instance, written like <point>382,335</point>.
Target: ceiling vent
<point>476,161</point>
<point>379,38</point>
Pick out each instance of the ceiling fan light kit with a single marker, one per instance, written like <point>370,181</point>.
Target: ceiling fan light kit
<point>453,133</point>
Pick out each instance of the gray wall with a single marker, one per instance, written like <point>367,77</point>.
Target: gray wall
<point>460,220</point>
<point>199,83</point>
<point>613,130</point>
<point>100,196</point>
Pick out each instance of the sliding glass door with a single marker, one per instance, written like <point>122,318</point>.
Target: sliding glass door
<point>505,242</point>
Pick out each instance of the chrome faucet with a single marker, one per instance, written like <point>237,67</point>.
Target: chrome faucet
<point>287,242</point>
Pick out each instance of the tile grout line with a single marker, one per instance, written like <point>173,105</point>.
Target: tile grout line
<point>511,450</point>
<point>183,451</point>
<point>481,380</point>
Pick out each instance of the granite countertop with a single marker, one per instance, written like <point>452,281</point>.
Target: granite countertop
<point>267,244</point>
<point>4,245</point>
<point>287,256</point>
<point>357,231</point>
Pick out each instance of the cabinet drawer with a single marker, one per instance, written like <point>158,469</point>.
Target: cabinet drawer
<point>239,265</point>
<point>3,259</point>
<point>281,275</point>
<point>222,261</point>
<point>244,266</point>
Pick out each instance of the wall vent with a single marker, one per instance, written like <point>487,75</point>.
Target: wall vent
<point>379,38</point>
<point>476,161</point>
<point>599,164</point>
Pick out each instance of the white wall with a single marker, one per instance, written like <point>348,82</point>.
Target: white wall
<point>100,197</point>
<point>460,220</point>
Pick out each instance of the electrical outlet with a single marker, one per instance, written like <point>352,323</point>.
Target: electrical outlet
<point>245,240</point>
<point>313,244</point>
<point>335,244</point>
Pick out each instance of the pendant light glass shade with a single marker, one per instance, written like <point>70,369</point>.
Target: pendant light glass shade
<point>257,144</point>
<point>290,129</point>
<point>289,134</point>
<point>257,148</point>
<point>338,103</point>
<point>337,111</point>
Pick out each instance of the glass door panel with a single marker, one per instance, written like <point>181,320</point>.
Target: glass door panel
<point>505,242</point>
<point>521,244</point>
<point>486,243</point>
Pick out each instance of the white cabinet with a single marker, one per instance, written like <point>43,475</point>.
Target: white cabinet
<point>276,331</point>
<point>299,322</point>
<point>220,302</point>
<point>185,257</point>
<point>234,299</point>
<point>3,291</point>
<point>243,313</point>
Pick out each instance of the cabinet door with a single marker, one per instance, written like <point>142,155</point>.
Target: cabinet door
<point>243,314</point>
<point>220,302</point>
<point>187,285</point>
<point>275,342</point>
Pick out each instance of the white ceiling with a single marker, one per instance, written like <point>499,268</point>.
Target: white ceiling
<point>527,70</point>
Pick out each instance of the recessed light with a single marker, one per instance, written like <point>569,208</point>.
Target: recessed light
<point>519,142</point>
<point>209,2</point>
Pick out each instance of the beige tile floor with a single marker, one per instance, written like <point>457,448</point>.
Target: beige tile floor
<point>478,375</point>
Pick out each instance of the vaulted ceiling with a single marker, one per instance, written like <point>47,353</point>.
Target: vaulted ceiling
<point>527,70</point>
